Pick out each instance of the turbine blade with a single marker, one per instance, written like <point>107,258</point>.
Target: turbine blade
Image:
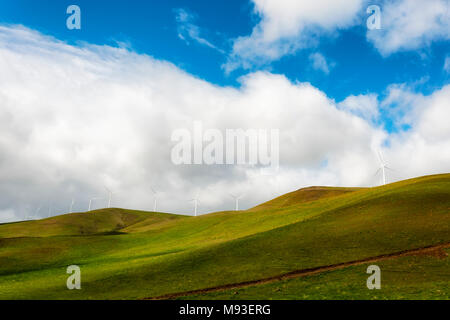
<point>381,155</point>
<point>378,171</point>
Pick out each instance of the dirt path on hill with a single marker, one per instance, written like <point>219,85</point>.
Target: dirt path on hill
<point>436,250</point>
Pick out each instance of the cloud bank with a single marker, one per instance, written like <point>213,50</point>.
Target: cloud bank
<point>289,25</point>
<point>74,119</point>
<point>286,26</point>
<point>411,25</point>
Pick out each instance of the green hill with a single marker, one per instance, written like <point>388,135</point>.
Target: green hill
<point>304,195</point>
<point>125,254</point>
<point>87,223</point>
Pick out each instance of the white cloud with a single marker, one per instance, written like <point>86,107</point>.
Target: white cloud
<point>425,148</point>
<point>288,25</point>
<point>73,119</point>
<point>320,63</point>
<point>400,104</point>
<point>410,25</point>
<point>364,106</point>
<point>188,31</point>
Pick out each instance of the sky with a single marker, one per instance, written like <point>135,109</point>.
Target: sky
<point>84,109</point>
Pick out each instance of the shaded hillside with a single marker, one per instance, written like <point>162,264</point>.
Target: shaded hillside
<point>192,253</point>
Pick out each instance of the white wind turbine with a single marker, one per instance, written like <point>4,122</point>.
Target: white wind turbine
<point>49,209</point>
<point>236,199</point>
<point>90,202</point>
<point>71,205</point>
<point>195,200</point>
<point>35,216</point>
<point>27,215</point>
<point>383,167</point>
<point>110,194</point>
<point>155,195</point>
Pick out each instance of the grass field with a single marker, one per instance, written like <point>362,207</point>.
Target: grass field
<point>127,254</point>
<point>416,277</point>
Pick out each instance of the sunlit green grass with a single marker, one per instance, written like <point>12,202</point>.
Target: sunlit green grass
<point>160,253</point>
<point>413,277</point>
<point>86,223</point>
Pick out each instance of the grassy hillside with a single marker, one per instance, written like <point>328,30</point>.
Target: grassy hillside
<point>413,277</point>
<point>304,195</point>
<point>87,223</point>
<point>156,254</point>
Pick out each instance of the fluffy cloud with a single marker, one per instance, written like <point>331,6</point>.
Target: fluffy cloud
<point>320,63</point>
<point>401,104</point>
<point>425,148</point>
<point>410,25</point>
<point>76,119</point>
<point>288,25</point>
<point>364,106</point>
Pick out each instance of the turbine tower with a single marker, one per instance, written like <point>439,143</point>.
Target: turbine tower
<point>71,205</point>
<point>195,200</point>
<point>236,198</point>
<point>155,193</point>
<point>383,167</point>
<point>37,211</point>
<point>90,202</point>
<point>110,193</point>
<point>49,210</point>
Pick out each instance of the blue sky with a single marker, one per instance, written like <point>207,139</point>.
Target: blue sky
<point>84,109</point>
<point>151,27</point>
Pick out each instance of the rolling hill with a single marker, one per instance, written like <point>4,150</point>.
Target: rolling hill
<point>304,195</point>
<point>133,255</point>
<point>101,221</point>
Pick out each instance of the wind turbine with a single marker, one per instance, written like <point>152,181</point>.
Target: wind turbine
<point>49,209</point>
<point>37,211</point>
<point>195,200</point>
<point>236,198</point>
<point>110,193</point>
<point>90,202</point>
<point>383,167</point>
<point>155,196</point>
<point>71,205</point>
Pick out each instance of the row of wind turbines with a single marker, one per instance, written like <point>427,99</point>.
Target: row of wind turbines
<point>383,168</point>
<point>196,201</point>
